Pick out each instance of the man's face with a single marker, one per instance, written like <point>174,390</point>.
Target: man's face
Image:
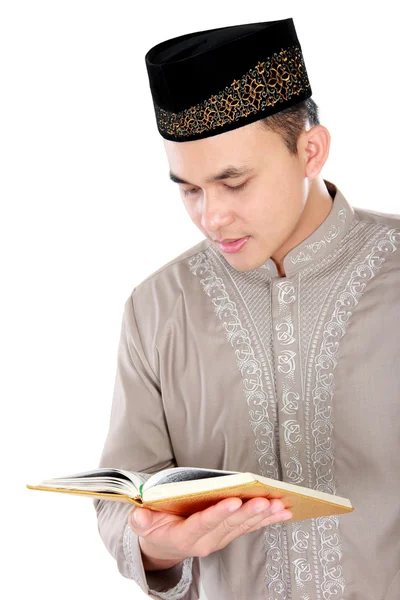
<point>260,192</point>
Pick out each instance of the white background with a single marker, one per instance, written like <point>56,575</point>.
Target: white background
<point>87,212</point>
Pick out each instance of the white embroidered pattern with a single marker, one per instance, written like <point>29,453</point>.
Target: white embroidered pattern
<point>302,572</point>
<point>286,294</point>
<point>275,563</point>
<point>302,568</point>
<point>286,365</point>
<point>330,551</point>
<point>266,266</point>
<point>339,258</point>
<point>181,588</point>
<point>300,538</point>
<point>175,593</point>
<point>285,331</point>
<point>249,365</point>
<point>290,406</point>
<point>287,360</point>
<point>291,432</point>
<point>126,542</point>
<point>257,401</point>
<point>290,401</point>
<point>316,247</point>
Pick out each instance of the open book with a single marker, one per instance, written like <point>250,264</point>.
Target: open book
<point>185,490</point>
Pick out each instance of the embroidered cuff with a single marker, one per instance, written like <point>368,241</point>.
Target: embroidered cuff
<point>134,562</point>
<point>182,587</point>
<point>138,574</point>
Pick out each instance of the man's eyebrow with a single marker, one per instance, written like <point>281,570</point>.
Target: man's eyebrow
<point>227,173</point>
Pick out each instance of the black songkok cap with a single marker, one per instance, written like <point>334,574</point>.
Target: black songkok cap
<point>209,82</point>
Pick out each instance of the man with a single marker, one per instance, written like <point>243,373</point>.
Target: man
<point>276,353</point>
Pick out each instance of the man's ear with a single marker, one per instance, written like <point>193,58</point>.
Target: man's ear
<point>314,145</point>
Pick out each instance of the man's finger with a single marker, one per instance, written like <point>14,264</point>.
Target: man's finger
<point>279,517</point>
<point>216,522</point>
<point>201,523</point>
<point>250,515</point>
<point>261,520</point>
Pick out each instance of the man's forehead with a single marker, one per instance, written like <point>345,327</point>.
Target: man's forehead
<point>230,154</point>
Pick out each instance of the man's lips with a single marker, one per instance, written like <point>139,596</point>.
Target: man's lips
<point>234,245</point>
<point>229,240</point>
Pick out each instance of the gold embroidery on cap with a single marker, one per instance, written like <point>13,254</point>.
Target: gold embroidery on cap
<point>277,79</point>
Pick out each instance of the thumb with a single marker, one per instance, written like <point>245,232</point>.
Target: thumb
<point>140,519</point>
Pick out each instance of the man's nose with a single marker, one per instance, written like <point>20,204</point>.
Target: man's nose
<point>215,212</point>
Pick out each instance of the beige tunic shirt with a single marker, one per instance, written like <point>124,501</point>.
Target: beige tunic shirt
<point>296,378</point>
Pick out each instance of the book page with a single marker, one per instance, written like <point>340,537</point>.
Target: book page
<point>315,501</point>
<point>177,474</point>
<point>117,481</point>
<point>200,484</point>
<point>290,487</point>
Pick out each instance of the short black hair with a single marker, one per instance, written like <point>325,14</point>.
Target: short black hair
<point>290,122</point>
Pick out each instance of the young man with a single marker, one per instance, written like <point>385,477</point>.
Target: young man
<point>276,353</point>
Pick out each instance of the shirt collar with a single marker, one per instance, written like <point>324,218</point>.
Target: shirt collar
<point>322,241</point>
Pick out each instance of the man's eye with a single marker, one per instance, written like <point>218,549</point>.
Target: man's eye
<point>237,188</point>
<point>234,189</point>
<point>188,192</point>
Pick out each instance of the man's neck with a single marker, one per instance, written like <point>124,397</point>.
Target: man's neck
<point>319,205</point>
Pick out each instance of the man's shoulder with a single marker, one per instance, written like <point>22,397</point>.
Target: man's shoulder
<point>172,276</point>
<point>159,298</point>
<point>371,216</point>
<point>390,226</point>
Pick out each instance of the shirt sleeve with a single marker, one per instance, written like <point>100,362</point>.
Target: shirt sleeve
<point>138,440</point>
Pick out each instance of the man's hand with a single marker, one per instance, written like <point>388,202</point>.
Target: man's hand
<point>165,539</point>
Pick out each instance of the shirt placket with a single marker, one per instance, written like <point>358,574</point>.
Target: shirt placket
<point>288,377</point>
<point>291,415</point>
